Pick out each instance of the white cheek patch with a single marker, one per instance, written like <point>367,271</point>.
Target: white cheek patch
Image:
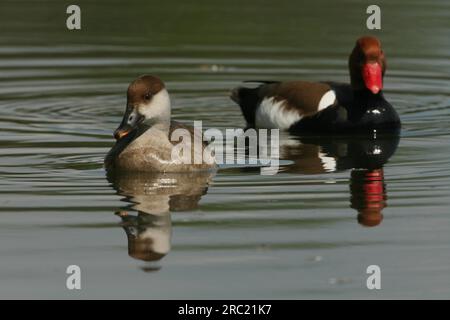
<point>272,115</point>
<point>328,99</point>
<point>158,107</point>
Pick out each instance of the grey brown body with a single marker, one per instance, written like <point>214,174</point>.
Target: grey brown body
<point>149,149</point>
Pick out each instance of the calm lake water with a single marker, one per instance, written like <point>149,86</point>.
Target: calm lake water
<point>308,232</point>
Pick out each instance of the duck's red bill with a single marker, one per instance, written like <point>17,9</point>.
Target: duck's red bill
<point>373,77</point>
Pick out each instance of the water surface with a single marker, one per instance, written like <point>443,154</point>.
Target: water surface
<point>308,232</point>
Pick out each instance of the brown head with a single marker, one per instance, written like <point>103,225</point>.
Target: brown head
<point>148,102</point>
<point>367,65</point>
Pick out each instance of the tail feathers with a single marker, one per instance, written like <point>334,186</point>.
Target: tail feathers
<point>248,99</point>
<point>234,95</point>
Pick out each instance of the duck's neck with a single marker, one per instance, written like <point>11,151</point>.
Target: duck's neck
<point>148,129</point>
<point>148,134</point>
<point>365,94</point>
<point>163,126</point>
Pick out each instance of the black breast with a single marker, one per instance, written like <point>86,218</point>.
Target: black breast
<point>354,113</point>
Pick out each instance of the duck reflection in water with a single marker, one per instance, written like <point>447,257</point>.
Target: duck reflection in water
<point>154,196</point>
<point>365,156</point>
<point>368,195</point>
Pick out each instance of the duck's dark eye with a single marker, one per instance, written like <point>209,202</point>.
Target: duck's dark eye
<point>148,96</point>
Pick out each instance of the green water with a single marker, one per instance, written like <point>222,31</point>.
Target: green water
<point>235,234</point>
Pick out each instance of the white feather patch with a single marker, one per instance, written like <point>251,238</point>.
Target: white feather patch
<point>158,108</point>
<point>327,100</point>
<point>273,115</point>
<point>328,163</point>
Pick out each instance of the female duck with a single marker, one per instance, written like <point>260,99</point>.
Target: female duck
<point>326,107</point>
<point>144,137</point>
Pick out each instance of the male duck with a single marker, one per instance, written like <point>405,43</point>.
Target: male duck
<point>144,136</point>
<point>326,107</point>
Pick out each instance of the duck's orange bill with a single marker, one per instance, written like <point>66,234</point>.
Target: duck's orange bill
<point>373,77</point>
<point>120,133</point>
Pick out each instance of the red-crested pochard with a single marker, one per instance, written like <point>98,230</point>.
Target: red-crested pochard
<point>326,107</point>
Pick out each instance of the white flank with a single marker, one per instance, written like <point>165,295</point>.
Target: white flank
<point>327,100</point>
<point>328,163</point>
<point>272,115</point>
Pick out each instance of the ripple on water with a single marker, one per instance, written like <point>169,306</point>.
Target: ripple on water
<point>295,234</point>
